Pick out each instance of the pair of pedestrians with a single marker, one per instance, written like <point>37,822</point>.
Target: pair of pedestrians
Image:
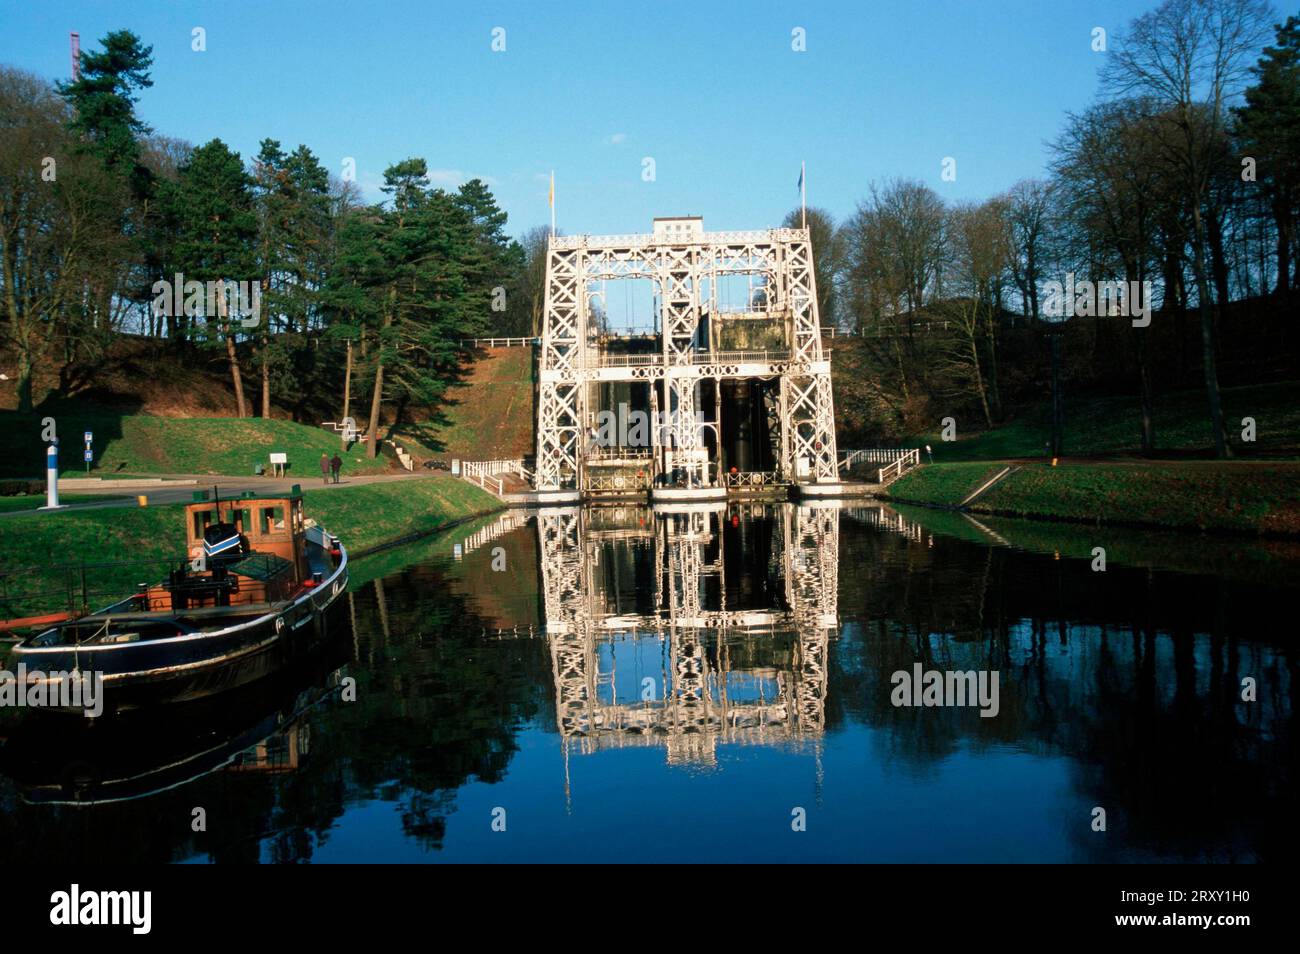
<point>329,468</point>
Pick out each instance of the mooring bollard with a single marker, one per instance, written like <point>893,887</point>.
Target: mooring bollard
<point>51,477</point>
<point>142,500</point>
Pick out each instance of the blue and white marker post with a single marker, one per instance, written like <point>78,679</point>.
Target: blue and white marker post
<point>89,455</point>
<point>52,477</point>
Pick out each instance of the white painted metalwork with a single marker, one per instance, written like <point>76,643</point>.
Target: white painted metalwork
<point>682,267</point>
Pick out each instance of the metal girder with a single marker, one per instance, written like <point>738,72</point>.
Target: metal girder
<point>680,268</point>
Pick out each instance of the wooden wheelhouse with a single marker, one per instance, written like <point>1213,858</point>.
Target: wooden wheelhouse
<point>242,551</point>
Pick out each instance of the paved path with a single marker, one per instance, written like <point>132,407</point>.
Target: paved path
<point>226,486</point>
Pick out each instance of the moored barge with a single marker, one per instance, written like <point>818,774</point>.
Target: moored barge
<point>254,594</point>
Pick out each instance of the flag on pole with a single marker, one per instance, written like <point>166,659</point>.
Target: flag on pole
<point>551,199</point>
<point>803,199</point>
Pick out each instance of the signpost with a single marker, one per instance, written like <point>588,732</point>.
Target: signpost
<point>90,439</point>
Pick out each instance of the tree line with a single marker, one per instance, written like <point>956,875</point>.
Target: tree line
<point>1183,175</point>
<point>272,266</point>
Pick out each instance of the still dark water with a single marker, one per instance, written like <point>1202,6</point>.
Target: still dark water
<point>618,685</point>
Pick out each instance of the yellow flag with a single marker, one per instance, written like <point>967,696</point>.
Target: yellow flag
<point>551,198</point>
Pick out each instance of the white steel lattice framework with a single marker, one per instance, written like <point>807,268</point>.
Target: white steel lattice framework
<point>694,704</point>
<point>682,268</point>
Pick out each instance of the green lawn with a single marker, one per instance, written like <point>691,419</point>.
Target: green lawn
<point>1245,496</point>
<point>1110,426</point>
<point>33,546</point>
<point>943,484</point>
<point>364,517</point>
<point>143,444</point>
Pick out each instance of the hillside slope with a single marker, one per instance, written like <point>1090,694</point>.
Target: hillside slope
<point>489,415</point>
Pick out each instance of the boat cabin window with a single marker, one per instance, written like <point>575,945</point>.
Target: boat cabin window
<point>271,521</point>
<point>206,518</point>
<point>202,520</point>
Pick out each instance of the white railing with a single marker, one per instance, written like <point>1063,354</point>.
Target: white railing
<point>647,240</point>
<point>598,454</point>
<point>498,342</point>
<point>873,455</point>
<point>897,468</point>
<point>697,357</point>
<point>474,473</point>
<point>496,467</point>
<point>619,483</point>
<point>754,479</point>
<point>338,427</point>
<point>774,308</point>
<point>888,331</point>
<point>488,473</point>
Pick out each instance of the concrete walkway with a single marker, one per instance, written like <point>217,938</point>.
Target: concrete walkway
<point>226,486</point>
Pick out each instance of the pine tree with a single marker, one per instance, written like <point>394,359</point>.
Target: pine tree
<point>1269,127</point>
<point>211,206</point>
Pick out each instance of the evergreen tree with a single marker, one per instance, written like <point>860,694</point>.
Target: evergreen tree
<point>211,208</point>
<point>1269,128</point>
<point>103,102</point>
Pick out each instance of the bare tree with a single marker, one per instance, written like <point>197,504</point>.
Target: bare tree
<point>1191,57</point>
<point>825,250</point>
<point>1029,207</point>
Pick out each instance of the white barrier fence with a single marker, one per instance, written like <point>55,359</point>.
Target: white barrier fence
<point>499,342</point>
<point>897,460</point>
<point>487,473</point>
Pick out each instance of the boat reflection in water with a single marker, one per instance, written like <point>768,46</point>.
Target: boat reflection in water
<point>689,627</point>
<point>258,727</point>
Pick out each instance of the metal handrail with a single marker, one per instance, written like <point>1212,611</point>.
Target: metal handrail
<point>754,478</point>
<point>516,342</point>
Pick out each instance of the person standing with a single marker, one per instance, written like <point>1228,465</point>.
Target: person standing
<point>336,465</point>
<point>325,468</point>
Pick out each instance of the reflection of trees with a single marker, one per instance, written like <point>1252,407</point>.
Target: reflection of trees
<point>436,706</point>
<point>1133,674</point>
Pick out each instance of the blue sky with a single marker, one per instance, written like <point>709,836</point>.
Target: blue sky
<point>712,91</point>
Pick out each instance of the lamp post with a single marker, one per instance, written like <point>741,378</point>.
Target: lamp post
<point>1057,416</point>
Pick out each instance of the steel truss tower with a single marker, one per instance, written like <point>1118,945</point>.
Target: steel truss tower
<point>691,349</point>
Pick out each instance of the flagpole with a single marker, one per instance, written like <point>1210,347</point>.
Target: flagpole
<point>552,203</point>
<point>803,196</point>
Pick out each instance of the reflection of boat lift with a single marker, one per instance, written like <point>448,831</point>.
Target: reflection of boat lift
<point>695,708</point>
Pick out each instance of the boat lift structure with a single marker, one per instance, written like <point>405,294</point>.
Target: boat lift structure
<point>738,397</point>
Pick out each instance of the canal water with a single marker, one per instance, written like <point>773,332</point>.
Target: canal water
<point>617,684</point>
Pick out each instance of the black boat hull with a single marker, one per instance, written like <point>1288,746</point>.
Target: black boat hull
<point>193,666</point>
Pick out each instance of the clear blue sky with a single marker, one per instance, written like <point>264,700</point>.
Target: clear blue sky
<point>711,90</point>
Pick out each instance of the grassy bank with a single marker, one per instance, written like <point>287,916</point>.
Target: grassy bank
<point>365,517</point>
<point>33,546</point>
<point>1237,496</point>
<point>1272,562</point>
<point>143,444</point>
<point>1108,426</point>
